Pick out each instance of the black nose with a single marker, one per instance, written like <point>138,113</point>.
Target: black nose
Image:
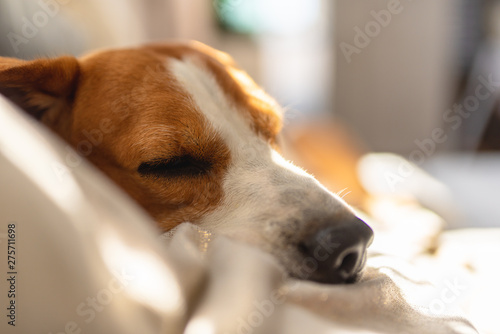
<point>337,253</point>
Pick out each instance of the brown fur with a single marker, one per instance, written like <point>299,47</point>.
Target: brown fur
<point>122,108</point>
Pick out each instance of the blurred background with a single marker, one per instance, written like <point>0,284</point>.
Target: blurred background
<point>416,78</point>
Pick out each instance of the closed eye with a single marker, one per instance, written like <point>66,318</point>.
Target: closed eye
<point>185,165</point>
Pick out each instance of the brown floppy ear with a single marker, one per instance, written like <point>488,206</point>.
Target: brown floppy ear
<point>44,88</point>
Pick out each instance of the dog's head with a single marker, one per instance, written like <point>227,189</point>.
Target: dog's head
<point>192,138</point>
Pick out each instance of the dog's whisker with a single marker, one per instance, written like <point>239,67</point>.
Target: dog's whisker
<point>344,195</point>
<point>339,193</point>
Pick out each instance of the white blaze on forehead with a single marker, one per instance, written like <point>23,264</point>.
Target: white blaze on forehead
<point>248,185</point>
<point>213,103</point>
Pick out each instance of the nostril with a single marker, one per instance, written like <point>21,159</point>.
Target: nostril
<point>303,248</point>
<point>349,264</point>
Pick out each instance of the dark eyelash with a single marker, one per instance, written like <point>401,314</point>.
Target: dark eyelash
<point>185,165</point>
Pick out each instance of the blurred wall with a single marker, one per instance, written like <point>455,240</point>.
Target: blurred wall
<point>35,28</point>
<point>394,71</point>
<point>389,76</point>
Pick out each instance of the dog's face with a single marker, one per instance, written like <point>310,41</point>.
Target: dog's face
<point>192,138</point>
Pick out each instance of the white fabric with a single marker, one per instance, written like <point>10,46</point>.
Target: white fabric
<point>88,259</point>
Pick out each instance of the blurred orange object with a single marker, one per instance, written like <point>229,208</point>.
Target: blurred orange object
<point>328,150</point>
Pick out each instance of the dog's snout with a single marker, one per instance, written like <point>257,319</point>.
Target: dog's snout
<point>337,251</point>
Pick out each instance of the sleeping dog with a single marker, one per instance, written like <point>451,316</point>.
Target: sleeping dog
<point>190,137</point>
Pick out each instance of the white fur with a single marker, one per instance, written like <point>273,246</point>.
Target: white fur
<point>258,176</point>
